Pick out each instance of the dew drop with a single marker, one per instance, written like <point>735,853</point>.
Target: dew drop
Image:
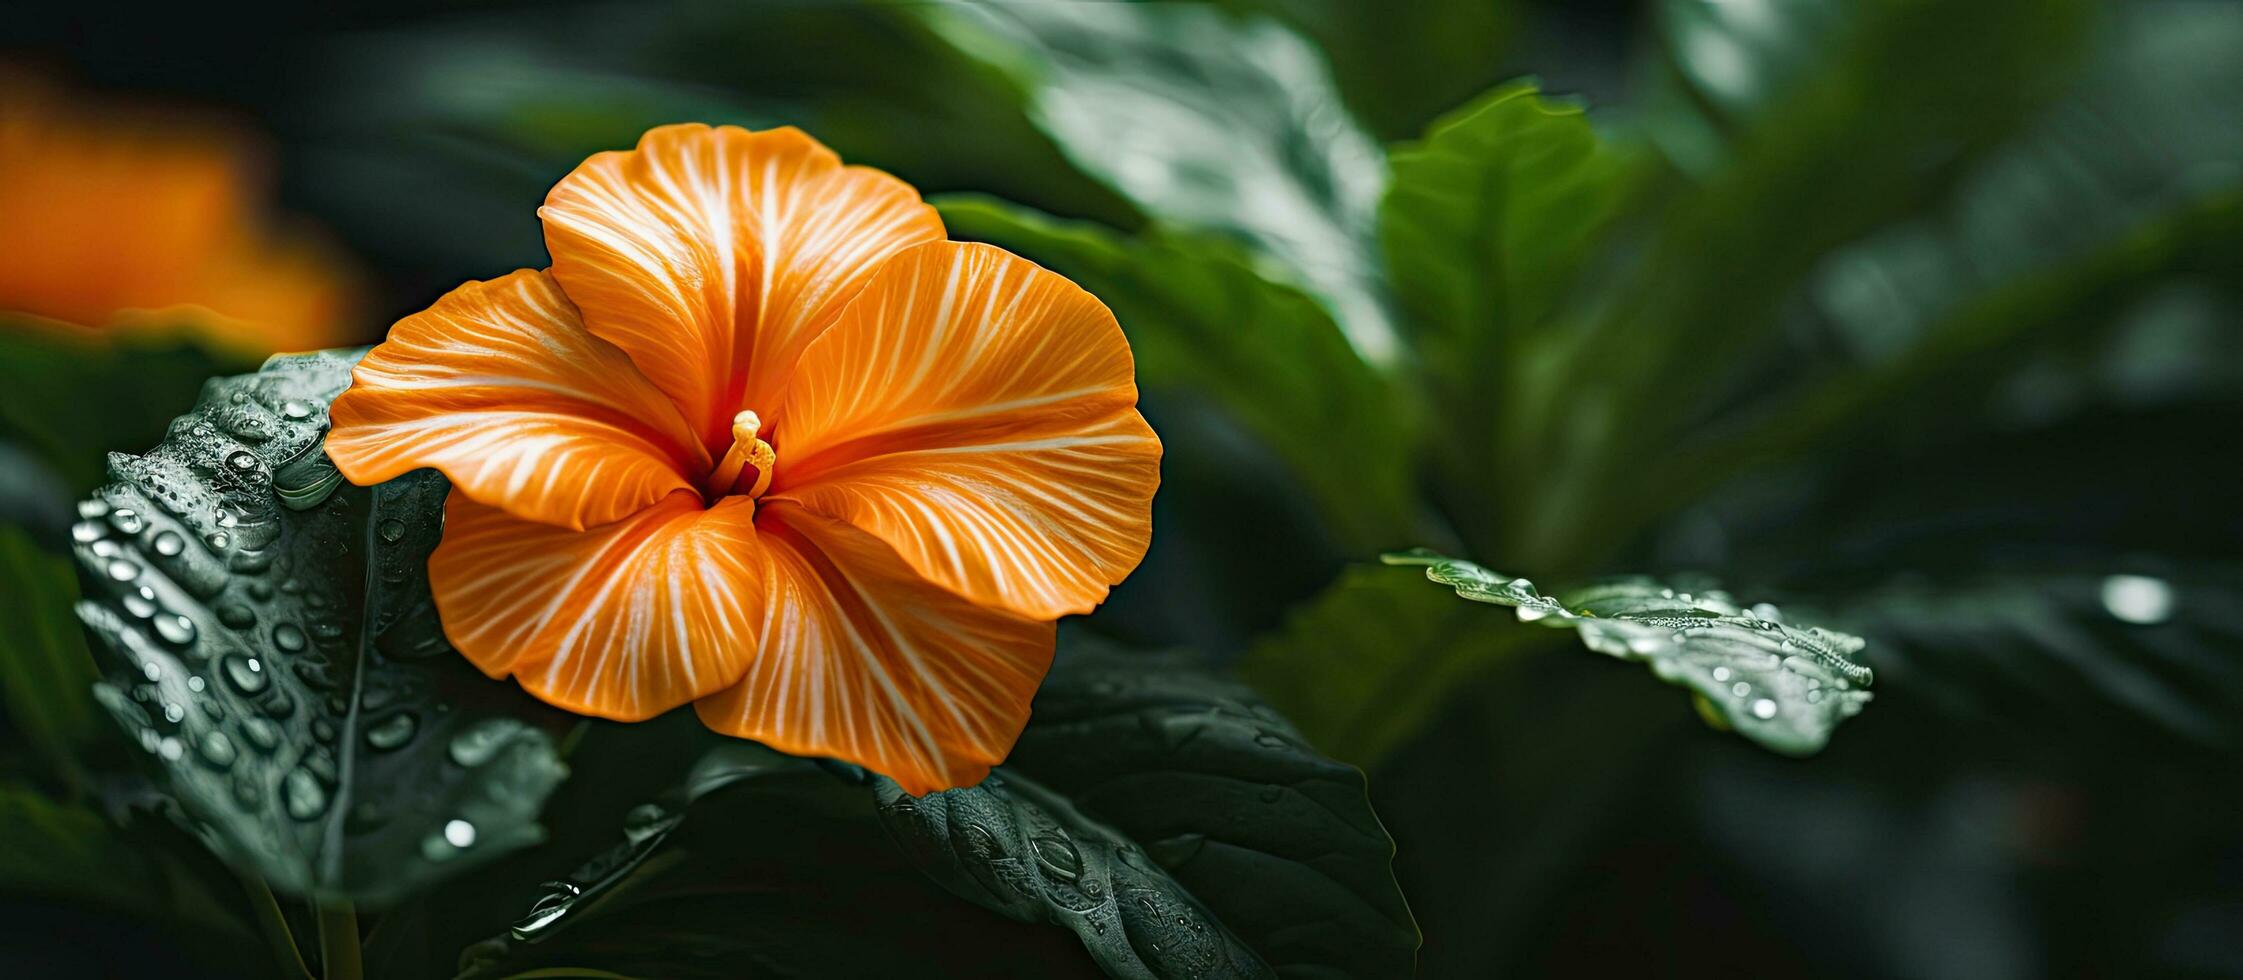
<point>1721,674</point>
<point>459,833</point>
<point>195,683</point>
<point>152,670</point>
<point>391,529</point>
<point>127,521</point>
<point>174,713</point>
<point>2138,599</point>
<point>477,745</point>
<point>1764,709</point>
<point>216,749</point>
<point>263,735</point>
<point>302,794</point>
<point>241,460</point>
<point>237,616</point>
<point>296,409</point>
<point>122,570</point>
<point>1740,689</point>
<point>170,749</point>
<point>288,637</point>
<point>169,544</point>
<point>140,602</point>
<point>218,540</point>
<point>176,630</point>
<point>392,732</point>
<point>245,674</point>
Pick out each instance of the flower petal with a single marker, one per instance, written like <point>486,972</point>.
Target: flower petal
<point>977,413</point>
<point>500,386</point>
<point>624,621</point>
<point>714,255</point>
<point>863,661</point>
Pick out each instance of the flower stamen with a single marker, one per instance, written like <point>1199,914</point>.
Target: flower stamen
<point>747,450</point>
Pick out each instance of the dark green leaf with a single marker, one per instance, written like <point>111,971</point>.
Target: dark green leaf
<point>1489,217</point>
<point>1160,749</point>
<point>1783,686</point>
<point>761,865</point>
<point>2101,652</point>
<point>1200,317</point>
<point>1017,848</point>
<point>46,673</point>
<point>1898,107</point>
<point>1170,820</point>
<point>272,644</point>
<point>1208,121</point>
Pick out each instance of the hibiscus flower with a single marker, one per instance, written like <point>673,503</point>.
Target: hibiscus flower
<point>762,440</point>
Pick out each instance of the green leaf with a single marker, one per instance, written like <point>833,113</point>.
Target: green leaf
<point>46,673</point>
<point>1208,121</point>
<point>1489,218</point>
<point>758,864</point>
<point>1167,819</point>
<point>1899,106</point>
<point>1157,747</point>
<point>1487,226</point>
<point>1200,318</point>
<point>270,641</point>
<point>1372,660</point>
<point>1012,846</point>
<point>1783,686</point>
<point>2096,653</point>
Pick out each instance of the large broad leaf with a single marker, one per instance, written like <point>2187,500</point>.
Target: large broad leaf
<point>272,644</point>
<point>1139,769</point>
<point>1781,685</point>
<point>1015,847</point>
<point>1206,120</point>
<point>1169,820</point>
<point>758,865</point>
<point>1200,318</point>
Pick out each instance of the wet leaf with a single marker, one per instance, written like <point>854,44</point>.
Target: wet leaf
<point>761,865</point>
<point>1783,686</point>
<point>1012,846</point>
<point>1206,120</point>
<point>1222,791</point>
<point>1167,819</point>
<point>269,639</point>
<point>1201,318</point>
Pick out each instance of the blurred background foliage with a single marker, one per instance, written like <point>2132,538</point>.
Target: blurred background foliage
<point>1919,319</point>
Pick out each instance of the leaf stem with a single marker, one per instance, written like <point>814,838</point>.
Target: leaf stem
<point>274,925</point>
<point>338,942</point>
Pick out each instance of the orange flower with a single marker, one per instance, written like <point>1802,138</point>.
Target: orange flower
<point>762,440</point>
<point>125,221</point>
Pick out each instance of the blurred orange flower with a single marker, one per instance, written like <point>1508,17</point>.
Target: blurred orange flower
<point>124,220</point>
<point>762,440</point>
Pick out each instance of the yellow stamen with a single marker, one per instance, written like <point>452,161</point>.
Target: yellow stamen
<point>747,450</point>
